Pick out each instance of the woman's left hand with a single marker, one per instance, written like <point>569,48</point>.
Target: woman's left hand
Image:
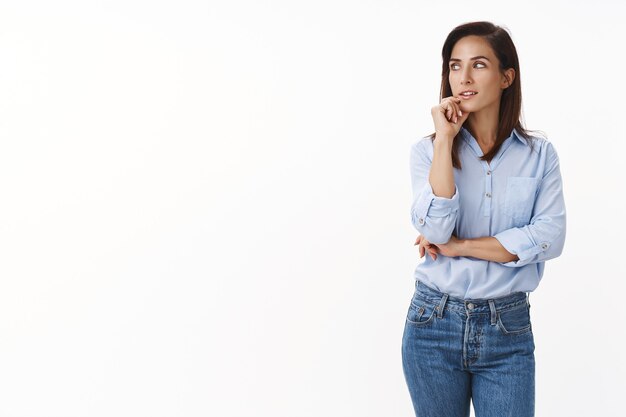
<point>451,248</point>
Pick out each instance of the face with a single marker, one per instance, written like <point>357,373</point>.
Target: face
<point>480,74</point>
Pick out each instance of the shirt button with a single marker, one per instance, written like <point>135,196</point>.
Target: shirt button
<point>470,306</point>
<point>421,220</point>
<point>544,245</point>
<point>488,172</point>
<point>488,195</point>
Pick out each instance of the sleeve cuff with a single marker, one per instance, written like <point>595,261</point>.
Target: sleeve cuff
<point>520,242</point>
<point>436,206</point>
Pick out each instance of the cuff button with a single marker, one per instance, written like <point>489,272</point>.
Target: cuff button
<point>421,220</point>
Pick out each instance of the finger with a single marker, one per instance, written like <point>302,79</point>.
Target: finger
<point>458,113</point>
<point>464,114</point>
<point>453,110</point>
<point>454,106</point>
<point>457,102</point>
<point>445,108</point>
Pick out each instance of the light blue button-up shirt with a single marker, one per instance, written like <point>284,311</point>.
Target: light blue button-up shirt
<point>517,198</point>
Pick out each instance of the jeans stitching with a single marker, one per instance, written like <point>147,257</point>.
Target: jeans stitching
<point>511,332</point>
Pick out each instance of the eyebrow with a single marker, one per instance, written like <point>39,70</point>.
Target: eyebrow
<point>472,58</point>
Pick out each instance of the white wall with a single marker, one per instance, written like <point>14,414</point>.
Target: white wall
<point>204,206</point>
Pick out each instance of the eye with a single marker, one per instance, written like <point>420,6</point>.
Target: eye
<point>476,63</point>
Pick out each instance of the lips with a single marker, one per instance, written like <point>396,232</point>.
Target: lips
<point>468,96</point>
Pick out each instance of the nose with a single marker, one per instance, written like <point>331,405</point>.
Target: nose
<point>465,77</point>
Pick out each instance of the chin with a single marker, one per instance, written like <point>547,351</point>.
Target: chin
<point>469,108</point>
<point>473,107</point>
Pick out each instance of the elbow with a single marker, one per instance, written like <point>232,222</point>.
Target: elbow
<point>556,248</point>
<point>435,217</point>
<point>436,224</point>
<point>435,232</point>
<point>560,242</point>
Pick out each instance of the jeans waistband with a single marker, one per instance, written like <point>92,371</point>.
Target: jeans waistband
<point>468,305</point>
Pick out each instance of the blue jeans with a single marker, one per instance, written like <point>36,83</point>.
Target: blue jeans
<point>454,350</point>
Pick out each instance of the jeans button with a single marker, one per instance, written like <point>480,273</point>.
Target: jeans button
<point>470,306</point>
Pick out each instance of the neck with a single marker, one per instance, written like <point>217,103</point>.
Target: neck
<point>483,125</point>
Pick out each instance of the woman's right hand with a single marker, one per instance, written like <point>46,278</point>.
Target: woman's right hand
<point>448,117</point>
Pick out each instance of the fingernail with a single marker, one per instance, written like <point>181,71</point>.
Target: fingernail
<point>460,113</point>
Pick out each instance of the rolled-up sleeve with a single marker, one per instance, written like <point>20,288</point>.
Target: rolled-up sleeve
<point>433,216</point>
<point>544,237</point>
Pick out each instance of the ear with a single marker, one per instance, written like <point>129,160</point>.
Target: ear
<point>509,76</point>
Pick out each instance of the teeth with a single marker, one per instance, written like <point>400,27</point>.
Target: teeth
<point>468,94</point>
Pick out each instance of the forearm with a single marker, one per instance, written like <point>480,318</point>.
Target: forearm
<point>488,248</point>
<point>441,176</point>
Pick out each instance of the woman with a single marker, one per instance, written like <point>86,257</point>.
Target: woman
<point>488,204</point>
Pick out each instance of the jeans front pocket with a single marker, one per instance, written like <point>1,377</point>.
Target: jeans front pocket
<point>514,320</point>
<point>421,312</point>
<point>519,198</point>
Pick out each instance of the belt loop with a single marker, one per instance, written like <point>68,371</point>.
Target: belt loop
<point>492,306</point>
<point>442,303</point>
<point>528,299</point>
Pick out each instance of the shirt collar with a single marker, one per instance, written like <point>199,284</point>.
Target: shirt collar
<point>514,133</point>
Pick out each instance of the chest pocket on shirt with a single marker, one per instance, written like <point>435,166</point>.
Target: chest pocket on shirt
<point>519,198</point>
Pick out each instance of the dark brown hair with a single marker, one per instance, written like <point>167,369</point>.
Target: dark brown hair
<point>511,99</point>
